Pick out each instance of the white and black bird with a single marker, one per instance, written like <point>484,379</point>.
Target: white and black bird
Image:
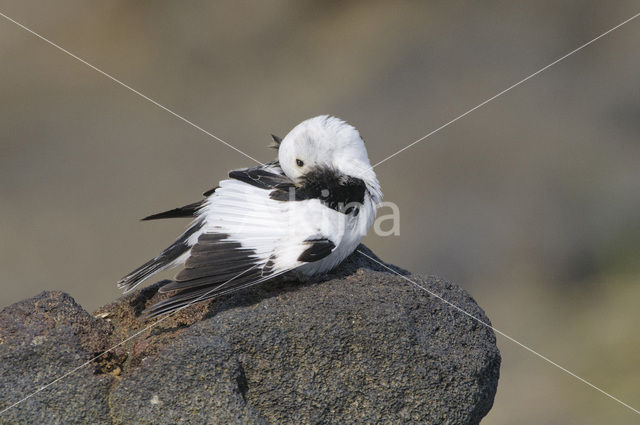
<point>304,213</point>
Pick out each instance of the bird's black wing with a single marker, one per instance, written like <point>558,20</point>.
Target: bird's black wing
<point>162,261</point>
<point>218,267</point>
<point>187,211</point>
<point>261,177</point>
<point>215,266</point>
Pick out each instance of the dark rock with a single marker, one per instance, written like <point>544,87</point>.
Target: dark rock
<point>41,339</point>
<point>192,381</point>
<point>361,345</point>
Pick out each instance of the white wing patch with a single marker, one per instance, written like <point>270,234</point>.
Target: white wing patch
<point>272,229</point>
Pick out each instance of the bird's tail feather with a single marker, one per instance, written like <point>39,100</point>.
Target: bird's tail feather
<point>197,295</point>
<point>168,258</point>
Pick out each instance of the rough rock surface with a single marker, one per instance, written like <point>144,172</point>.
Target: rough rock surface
<point>362,345</point>
<point>41,338</point>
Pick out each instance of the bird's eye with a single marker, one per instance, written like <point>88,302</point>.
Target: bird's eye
<point>299,162</point>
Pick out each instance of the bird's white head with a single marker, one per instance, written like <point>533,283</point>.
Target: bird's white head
<point>326,141</point>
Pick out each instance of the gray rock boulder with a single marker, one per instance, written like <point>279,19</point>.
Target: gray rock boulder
<point>361,345</point>
<point>41,338</point>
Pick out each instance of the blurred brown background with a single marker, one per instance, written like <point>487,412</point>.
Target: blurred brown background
<point>531,203</point>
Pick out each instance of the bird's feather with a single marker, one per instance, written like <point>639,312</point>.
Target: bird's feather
<point>247,238</point>
<point>181,212</point>
<point>166,259</point>
<point>261,177</point>
<point>190,210</point>
<point>190,296</point>
<point>276,142</point>
<point>317,250</point>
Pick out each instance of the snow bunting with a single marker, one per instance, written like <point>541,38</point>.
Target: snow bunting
<point>303,213</point>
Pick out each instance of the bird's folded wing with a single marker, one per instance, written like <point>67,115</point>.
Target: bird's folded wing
<point>246,239</point>
<point>208,277</point>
